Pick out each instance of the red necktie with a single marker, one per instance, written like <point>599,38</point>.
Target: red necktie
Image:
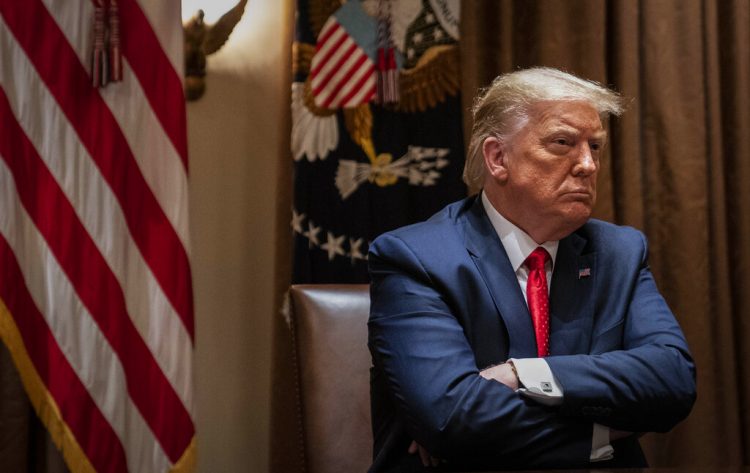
<point>538,298</point>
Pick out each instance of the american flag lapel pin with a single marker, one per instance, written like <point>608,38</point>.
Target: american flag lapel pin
<point>584,273</point>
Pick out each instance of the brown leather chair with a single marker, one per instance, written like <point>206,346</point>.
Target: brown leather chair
<point>329,330</point>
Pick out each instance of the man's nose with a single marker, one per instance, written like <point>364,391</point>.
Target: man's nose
<point>586,163</point>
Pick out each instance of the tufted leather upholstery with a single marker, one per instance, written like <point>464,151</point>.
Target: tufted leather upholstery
<point>329,327</point>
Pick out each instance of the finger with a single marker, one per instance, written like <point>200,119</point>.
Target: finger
<point>413,447</point>
<point>424,456</point>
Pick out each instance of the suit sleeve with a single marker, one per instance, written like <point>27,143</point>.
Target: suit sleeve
<point>646,386</point>
<point>433,378</point>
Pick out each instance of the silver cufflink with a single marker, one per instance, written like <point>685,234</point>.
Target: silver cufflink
<point>546,386</point>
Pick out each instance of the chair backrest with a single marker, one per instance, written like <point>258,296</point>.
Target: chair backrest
<point>329,326</point>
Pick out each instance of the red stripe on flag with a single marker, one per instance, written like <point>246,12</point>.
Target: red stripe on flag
<point>334,26</point>
<point>359,86</point>
<point>59,67</point>
<point>324,60</point>
<point>159,80</point>
<point>366,98</point>
<point>347,54</point>
<point>343,81</point>
<point>95,284</point>
<point>92,431</point>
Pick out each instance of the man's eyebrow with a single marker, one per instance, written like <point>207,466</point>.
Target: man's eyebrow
<point>565,128</point>
<point>600,135</point>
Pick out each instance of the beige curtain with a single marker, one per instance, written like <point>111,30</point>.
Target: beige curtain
<point>678,168</point>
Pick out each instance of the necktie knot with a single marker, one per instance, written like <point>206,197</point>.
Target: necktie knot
<point>537,259</point>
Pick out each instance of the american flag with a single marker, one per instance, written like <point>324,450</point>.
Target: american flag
<point>342,73</point>
<point>95,287</point>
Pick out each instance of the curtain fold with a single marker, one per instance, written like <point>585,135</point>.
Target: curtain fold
<point>678,168</point>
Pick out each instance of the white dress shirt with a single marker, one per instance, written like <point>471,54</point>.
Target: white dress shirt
<point>534,375</point>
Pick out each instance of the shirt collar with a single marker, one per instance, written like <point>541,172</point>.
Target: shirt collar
<point>517,243</point>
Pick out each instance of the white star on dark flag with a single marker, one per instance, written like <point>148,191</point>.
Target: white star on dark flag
<point>333,245</point>
<point>297,220</point>
<point>312,234</point>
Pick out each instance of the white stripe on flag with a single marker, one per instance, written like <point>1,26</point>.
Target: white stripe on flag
<point>367,68</point>
<point>362,95</point>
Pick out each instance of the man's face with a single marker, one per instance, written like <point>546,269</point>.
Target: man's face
<point>551,168</point>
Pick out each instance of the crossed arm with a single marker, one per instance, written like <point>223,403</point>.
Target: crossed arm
<point>451,409</point>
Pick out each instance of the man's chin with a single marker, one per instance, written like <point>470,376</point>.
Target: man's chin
<point>576,217</point>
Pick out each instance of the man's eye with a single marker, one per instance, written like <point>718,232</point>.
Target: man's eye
<point>595,146</point>
<point>561,141</point>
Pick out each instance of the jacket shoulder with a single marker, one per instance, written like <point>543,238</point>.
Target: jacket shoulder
<point>431,234</point>
<point>609,237</point>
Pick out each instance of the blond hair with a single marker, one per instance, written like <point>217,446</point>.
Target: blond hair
<point>501,109</point>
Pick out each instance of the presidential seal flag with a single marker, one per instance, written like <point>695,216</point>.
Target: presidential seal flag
<point>376,126</point>
<point>96,301</point>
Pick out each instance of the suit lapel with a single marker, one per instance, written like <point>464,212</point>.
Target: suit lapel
<point>490,258</point>
<point>571,301</point>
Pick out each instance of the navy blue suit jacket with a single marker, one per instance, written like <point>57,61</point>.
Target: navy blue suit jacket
<point>446,304</point>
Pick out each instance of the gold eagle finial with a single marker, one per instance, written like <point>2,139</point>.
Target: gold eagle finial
<point>202,39</point>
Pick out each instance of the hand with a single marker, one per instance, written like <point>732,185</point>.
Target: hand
<point>502,373</point>
<point>424,455</point>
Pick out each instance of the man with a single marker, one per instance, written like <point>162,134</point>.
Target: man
<point>511,330</point>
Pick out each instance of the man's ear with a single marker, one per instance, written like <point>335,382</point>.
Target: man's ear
<point>495,158</point>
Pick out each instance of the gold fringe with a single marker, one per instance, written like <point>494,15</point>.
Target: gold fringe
<point>359,125</point>
<point>302,54</point>
<point>43,402</point>
<point>435,76</point>
<point>187,462</point>
<point>319,11</point>
<point>310,103</point>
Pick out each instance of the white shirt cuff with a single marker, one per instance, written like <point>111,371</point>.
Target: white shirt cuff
<point>537,381</point>
<point>600,448</point>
